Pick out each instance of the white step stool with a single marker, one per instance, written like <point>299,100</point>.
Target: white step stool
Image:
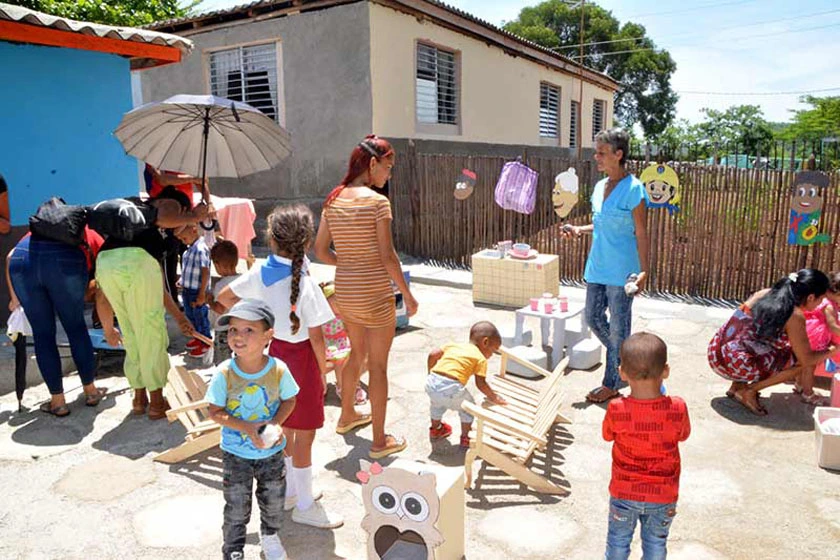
<point>393,536</point>
<point>508,333</point>
<point>574,331</point>
<point>586,354</point>
<point>536,356</point>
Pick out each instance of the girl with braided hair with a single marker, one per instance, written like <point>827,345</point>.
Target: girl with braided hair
<point>357,221</point>
<point>300,309</point>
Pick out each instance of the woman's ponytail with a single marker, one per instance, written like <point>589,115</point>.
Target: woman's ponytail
<point>773,310</point>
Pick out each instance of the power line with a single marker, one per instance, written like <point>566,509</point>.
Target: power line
<point>694,9</point>
<point>762,93</point>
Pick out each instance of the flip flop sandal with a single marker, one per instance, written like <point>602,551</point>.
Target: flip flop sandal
<point>364,420</point>
<point>59,411</point>
<point>93,400</point>
<point>601,390</point>
<point>399,445</point>
<point>814,399</point>
<point>361,396</point>
<point>758,410</point>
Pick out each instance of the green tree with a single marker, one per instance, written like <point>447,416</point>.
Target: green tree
<point>132,13</point>
<point>645,94</point>
<point>740,127</point>
<point>819,122</point>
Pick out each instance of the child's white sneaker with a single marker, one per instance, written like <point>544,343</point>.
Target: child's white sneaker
<point>272,548</point>
<point>289,502</point>
<point>317,516</point>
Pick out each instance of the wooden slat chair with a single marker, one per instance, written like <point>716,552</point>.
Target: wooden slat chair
<point>185,392</point>
<point>507,436</point>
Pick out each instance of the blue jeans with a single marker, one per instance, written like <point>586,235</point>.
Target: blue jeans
<point>50,278</point>
<point>447,394</point>
<point>238,483</point>
<point>655,520</point>
<point>610,332</point>
<point>196,315</point>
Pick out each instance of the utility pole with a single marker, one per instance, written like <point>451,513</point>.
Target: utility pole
<point>579,131</point>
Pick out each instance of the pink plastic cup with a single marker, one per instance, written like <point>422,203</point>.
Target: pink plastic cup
<point>535,303</point>
<point>564,304</point>
<point>548,306</point>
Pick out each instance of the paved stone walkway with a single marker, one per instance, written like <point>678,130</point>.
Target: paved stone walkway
<point>85,487</point>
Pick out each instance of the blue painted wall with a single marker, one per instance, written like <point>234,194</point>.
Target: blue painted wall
<point>58,109</point>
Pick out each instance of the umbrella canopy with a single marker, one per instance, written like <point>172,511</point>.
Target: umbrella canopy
<point>204,136</point>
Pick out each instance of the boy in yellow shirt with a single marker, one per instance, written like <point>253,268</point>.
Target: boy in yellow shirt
<point>450,368</point>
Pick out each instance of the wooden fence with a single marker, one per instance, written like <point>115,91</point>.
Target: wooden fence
<point>729,239</point>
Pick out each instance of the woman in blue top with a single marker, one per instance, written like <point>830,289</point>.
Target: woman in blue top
<point>619,248</point>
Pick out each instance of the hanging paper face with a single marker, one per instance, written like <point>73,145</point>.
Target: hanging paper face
<point>401,509</point>
<point>663,187</point>
<point>466,183</point>
<point>806,208</point>
<point>565,193</point>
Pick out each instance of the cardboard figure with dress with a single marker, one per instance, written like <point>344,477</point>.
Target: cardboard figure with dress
<point>806,208</point>
<point>663,187</point>
<point>564,196</point>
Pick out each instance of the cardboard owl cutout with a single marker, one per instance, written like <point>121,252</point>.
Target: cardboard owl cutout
<point>565,193</point>
<point>663,187</point>
<point>466,183</point>
<point>806,208</point>
<point>401,509</point>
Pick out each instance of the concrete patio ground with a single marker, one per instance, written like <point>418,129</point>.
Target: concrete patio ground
<point>85,487</point>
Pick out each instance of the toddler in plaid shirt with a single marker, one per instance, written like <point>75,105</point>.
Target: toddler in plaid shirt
<point>195,280</point>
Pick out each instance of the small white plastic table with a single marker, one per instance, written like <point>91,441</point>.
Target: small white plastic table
<point>555,320</point>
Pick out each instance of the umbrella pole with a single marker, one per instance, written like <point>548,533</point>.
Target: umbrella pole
<point>204,151</point>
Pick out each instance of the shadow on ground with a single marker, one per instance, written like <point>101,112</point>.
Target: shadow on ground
<point>784,412</point>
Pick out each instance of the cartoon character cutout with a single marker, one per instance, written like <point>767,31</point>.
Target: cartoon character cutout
<point>806,207</point>
<point>663,187</point>
<point>565,193</point>
<point>401,510</point>
<point>466,183</point>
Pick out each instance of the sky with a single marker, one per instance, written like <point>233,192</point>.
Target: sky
<point>734,47</point>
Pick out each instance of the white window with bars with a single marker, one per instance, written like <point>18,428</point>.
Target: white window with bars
<point>549,111</point>
<point>248,74</point>
<point>437,86</point>
<point>599,108</point>
<point>573,124</point>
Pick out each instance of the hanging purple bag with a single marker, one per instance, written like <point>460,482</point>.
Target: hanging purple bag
<point>517,188</point>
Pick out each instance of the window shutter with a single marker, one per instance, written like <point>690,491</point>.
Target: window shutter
<point>549,111</point>
<point>597,117</point>
<point>573,124</point>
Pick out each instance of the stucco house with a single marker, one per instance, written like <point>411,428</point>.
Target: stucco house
<point>66,85</point>
<point>332,71</point>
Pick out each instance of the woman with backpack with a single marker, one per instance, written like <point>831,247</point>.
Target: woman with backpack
<point>50,278</point>
<point>130,278</point>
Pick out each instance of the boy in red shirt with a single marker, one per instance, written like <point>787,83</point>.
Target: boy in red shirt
<point>646,428</point>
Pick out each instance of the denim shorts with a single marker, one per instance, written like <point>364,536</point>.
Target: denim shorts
<point>447,394</point>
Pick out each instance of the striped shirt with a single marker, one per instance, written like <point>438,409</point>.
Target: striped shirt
<point>363,287</point>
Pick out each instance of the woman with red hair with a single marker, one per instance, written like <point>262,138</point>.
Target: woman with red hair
<point>357,221</point>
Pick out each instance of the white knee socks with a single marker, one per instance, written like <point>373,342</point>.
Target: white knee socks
<point>291,487</point>
<point>303,485</point>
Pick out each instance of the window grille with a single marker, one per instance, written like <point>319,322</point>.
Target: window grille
<point>247,74</point>
<point>437,86</point>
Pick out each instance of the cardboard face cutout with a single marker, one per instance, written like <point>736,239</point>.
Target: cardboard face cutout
<point>401,509</point>
<point>663,187</point>
<point>466,183</point>
<point>565,193</point>
<point>806,208</point>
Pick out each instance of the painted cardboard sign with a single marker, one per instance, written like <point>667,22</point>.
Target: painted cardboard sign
<point>565,193</point>
<point>466,183</point>
<point>806,208</point>
<point>401,510</point>
<point>663,187</point>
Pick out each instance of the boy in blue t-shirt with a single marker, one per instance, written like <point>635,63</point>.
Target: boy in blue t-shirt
<point>251,395</point>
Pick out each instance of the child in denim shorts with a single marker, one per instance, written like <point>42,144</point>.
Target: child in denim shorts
<point>646,429</point>
<point>450,368</point>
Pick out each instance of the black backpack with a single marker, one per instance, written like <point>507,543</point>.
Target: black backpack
<point>59,221</point>
<point>122,218</point>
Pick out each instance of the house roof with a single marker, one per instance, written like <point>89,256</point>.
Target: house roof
<point>440,12</point>
<point>144,47</point>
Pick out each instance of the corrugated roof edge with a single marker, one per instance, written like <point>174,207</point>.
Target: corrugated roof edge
<point>236,10</point>
<point>19,14</point>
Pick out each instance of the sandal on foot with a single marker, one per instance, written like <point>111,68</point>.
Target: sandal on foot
<point>363,420</point>
<point>797,388</point>
<point>94,399</point>
<point>59,411</point>
<point>813,398</point>
<point>361,396</point>
<point>601,395</point>
<point>399,445</point>
<point>756,408</point>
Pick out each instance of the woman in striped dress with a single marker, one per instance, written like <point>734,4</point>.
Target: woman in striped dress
<point>356,220</point>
